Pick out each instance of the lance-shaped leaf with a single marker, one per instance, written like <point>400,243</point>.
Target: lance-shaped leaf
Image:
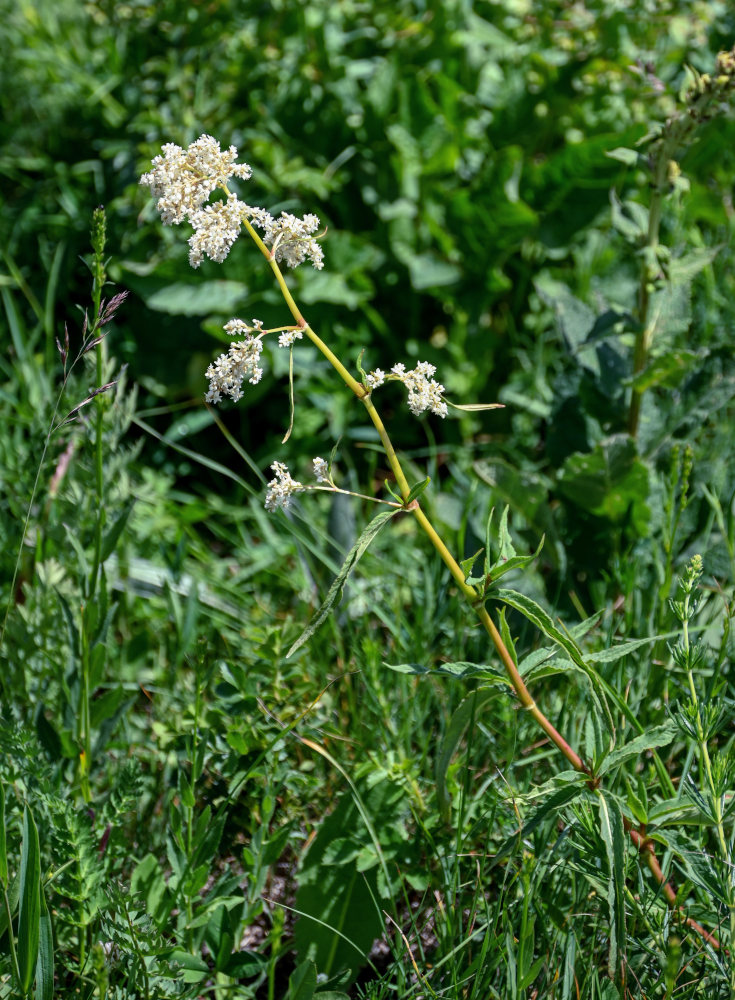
<point>348,565</point>
<point>613,837</point>
<point>543,621</point>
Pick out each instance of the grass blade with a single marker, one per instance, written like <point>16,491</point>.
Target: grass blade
<point>29,917</point>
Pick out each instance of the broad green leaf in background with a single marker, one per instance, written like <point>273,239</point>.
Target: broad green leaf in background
<point>610,482</point>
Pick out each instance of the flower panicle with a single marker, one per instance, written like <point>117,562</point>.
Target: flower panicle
<point>182,182</point>
<point>282,487</point>
<point>424,392</point>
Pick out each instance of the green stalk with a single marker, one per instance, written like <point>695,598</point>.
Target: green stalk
<point>644,337</point>
<point>98,280</point>
<point>11,938</point>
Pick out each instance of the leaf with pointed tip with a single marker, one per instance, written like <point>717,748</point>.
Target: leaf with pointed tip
<point>348,565</point>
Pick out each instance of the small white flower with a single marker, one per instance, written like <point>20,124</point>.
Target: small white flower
<point>281,488</point>
<point>375,379</point>
<point>288,337</point>
<point>321,470</point>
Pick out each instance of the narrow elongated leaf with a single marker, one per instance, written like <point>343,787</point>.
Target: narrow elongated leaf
<point>461,668</point>
<point>613,837</point>
<point>543,621</point>
<point>29,916</point>
<point>476,407</point>
<point>348,565</point>
<point>468,708</point>
<point>617,652</point>
<point>417,490</point>
<point>45,962</point>
<point>548,807</point>
<point>3,841</point>
<point>659,736</point>
<point>112,536</point>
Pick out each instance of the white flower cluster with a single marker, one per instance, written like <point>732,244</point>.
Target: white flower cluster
<point>216,227</point>
<point>291,238</point>
<point>228,372</point>
<point>281,488</point>
<point>289,337</point>
<point>183,180</point>
<point>321,470</point>
<point>424,393</point>
<point>375,379</point>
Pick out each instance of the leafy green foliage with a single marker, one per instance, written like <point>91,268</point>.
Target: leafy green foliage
<point>174,790</point>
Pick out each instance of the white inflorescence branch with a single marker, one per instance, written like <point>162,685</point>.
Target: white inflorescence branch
<point>424,393</point>
<point>182,181</point>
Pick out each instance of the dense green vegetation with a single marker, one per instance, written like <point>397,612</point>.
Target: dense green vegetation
<point>536,198</point>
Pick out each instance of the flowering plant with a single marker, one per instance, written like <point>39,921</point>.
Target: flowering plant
<point>182,181</point>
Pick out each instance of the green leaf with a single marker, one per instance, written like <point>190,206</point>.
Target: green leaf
<point>574,317</point>
<point>188,298</point>
<point>467,710</point>
<point>613,837</point>
<point>659,736</point>
<point>427,270</point>
<point>667,370</point>
<point>683,269</point>
<point>460,668</point>
<point>113,534</point>
<point>29,916</point>
<point>610,482</point>
<point>508,560</point>
<point>45,963</point>
<point>627,156</point>
<point>548,807</point>
<point>538,617</point>
<point>348,565</point>
<point>417,490</point>
<point>3,840</point>
<point>467,565</point>
<point>302,982</point>
<point>629,218</point>
<point>622,649</point>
